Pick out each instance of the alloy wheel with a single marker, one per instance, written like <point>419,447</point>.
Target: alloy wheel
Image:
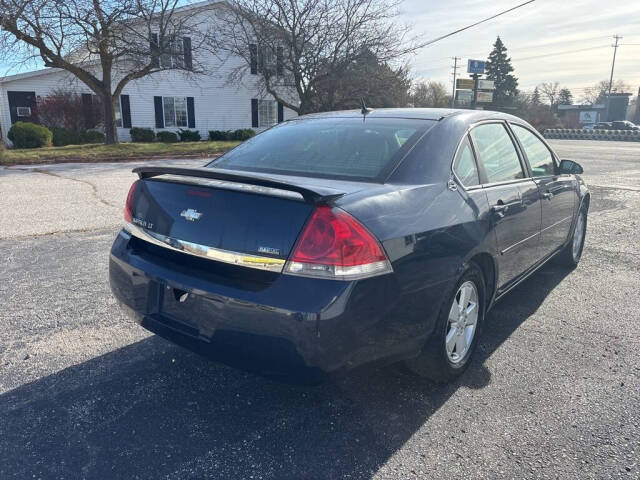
<point>463,319</point>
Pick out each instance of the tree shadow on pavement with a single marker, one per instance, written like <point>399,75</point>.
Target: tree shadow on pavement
<point>152,410</point>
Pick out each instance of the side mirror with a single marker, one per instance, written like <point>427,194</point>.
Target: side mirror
<point>569,166</point>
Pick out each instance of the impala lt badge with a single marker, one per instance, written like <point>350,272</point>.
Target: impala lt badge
<point>191,214</point>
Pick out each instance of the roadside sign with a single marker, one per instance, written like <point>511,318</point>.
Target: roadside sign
<point>475,66</point>
<point>485,97</point>
<point>486,85</point>
<point>464,83</point>
<point>588,117</point>
<point>464,97</point>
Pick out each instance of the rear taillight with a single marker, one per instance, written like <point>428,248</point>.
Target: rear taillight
<point>128,206</point>
<point>335,245</point>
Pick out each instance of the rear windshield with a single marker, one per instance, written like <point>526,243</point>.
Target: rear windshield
<point>349,148</point>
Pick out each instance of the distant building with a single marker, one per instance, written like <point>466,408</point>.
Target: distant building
<point>574,116</point>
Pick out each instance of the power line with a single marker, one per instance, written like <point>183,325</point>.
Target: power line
<point>553,54</point>
<point>613,65</point>
<point>430,42</point>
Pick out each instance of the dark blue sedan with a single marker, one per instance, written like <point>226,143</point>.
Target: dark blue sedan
<point>338,239</point>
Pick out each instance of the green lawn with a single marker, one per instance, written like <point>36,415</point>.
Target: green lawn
<point>103,153</point>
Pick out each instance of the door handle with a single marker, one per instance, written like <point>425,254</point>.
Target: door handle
<point>547,195</point>
<point>499,208</point>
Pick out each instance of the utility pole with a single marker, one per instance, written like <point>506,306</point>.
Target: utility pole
<point>613,65</point>
<point>455,71</point>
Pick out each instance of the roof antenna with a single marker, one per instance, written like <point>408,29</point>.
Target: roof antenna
<point>365,111</point>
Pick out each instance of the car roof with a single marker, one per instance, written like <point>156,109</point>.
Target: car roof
<point>435,114</point>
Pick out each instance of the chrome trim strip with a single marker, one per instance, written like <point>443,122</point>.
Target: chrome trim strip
<point>519,243</point>
<point>210,253</point>
<point>570,217</point>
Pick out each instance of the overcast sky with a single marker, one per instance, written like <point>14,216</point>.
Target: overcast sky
<point>545,29</point>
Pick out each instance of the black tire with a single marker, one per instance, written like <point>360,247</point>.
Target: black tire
<point>433,362</point>
<point>567,256</point>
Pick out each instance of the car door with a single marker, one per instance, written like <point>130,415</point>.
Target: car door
<point>513,198</point>
<point>558,192</point>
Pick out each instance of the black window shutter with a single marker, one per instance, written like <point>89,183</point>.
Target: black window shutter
<point>155,51</point>
<point>254,112</point>
<point>125,110</point>
<point>279,61</point>
<point>87,110</point>
<point>188,58</point>
<point>280,112</point>
<point>253,54</point>
<point>157,103</point>
<point>191,114</point>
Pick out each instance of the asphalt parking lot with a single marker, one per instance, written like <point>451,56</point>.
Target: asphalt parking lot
<point>554,391</point>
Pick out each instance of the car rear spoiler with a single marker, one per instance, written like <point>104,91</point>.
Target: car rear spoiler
<point>309,195</point>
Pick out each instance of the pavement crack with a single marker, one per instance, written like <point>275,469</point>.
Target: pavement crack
<point>94,188</point>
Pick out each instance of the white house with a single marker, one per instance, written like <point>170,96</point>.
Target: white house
<point>167,100</point>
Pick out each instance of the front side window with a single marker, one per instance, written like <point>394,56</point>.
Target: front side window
<point>175,111</point>
<point>539,156</point>
<point>336,147</point>
<point>496,152</point>
<point>465,165</point>
<point>267,113</point>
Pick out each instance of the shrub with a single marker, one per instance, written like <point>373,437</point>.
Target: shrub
<point>219,135</point>
<point>242,134</point>
<point>167,137</point>
<point>189,135</point>
<point>65,136</point>
<point>29,135</point>
<point>142,134</point>
<point>92,136</point>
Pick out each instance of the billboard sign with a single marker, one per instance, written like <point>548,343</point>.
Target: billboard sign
<point>464,83</point>
<point>475,66</point>
<point>464,97</point>
<point>485,97</point>
<point>588,117</point>
<point>486,85</point>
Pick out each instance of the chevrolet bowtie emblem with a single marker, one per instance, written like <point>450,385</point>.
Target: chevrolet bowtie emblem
<point>191,215</point>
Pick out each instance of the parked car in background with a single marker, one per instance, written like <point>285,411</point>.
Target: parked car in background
<point>338,239</point>
<point>588,126</point>
<point>602,126</point>
<point>624,125</point>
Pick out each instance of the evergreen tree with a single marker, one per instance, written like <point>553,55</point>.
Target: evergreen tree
<point>565,97</point>
<point>499,70</point>
<point>535,97</point>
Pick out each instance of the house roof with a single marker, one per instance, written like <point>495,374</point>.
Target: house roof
<point>46,71</point>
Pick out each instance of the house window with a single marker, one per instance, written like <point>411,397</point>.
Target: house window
<point>175,111</point>
<point>267,113</point>
<point>173,54</point>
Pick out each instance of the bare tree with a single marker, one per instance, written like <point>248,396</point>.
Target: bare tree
<point>598,92</point>
<point>551,90</point>
<point>430,94</point>
<point>297,47</point>
<point>104,44</point>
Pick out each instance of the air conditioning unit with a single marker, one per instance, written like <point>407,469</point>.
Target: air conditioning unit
<point>24,111</point>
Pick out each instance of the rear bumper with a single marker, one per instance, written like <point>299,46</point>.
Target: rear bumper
<point>277,323</point>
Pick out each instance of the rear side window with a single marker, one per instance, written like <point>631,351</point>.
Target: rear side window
<point>539,157</point>
<point>465,165</point>
<point>349,148</point>
<point>496,152</point>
